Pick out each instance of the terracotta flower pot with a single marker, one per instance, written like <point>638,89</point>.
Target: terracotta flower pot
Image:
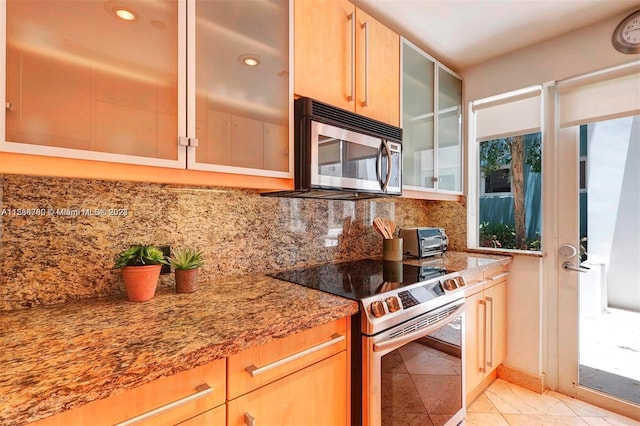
<point>140,282</point>
<point>186,280</point>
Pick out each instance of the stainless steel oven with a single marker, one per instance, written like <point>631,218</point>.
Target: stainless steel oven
<point>413,371</point>
<point>407,352</point>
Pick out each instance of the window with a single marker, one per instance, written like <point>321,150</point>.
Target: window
<point>507,157</point>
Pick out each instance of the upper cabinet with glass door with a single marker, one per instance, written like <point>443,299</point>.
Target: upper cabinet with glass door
<point>124,81</point>
<point>242,87</point>
<point>94,80</point>
<point>432,124</point>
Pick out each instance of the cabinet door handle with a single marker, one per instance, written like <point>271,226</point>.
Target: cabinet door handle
<point>365,27</point>
<point>352,18</point>
<point>249,420</point>
<point>490,346</point>
<point>202,391</point>
<point>254,371</point>
<point>482,367</point>
<point>499,276</point>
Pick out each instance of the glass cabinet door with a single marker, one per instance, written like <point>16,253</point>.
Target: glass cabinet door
<point>449,129</point>
<point>99,78</point>
<point>418,137</point>
<point>242,86</point>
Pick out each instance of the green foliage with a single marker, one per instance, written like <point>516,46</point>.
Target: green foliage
<point>186,258</point>
<point>497,235</point>
<point>497,153</point>
<point>140,255</point>
<point>500,235</point>
<point>533,155</point>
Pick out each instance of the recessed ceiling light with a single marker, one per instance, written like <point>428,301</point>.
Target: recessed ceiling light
<point>125,14</point>
<point>249,60</point>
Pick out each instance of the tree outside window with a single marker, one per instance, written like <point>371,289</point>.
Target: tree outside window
<point>511,218</point>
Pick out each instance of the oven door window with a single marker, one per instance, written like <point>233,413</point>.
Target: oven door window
<point>342,158</point>
<point>421,382</point>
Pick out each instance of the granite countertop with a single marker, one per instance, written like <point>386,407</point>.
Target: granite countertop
<point>59,357</point>
<point>462,261</point>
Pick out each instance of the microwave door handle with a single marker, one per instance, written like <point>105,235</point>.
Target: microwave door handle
<point>389,165</point>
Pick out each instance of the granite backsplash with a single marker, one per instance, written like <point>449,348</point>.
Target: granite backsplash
<point>59,237</point>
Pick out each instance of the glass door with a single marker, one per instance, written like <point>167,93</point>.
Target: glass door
<point>73,90</point>
<point>598,268</point>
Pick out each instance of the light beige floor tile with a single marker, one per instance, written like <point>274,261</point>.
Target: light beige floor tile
<point>609,421</point>
<point>543,420</point>
<point>482,404</point>
<point>485,419</point>
<point>584,409</point>
<point>512,399</point>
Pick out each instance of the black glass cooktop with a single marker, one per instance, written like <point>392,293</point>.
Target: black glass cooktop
<point>360,278</point>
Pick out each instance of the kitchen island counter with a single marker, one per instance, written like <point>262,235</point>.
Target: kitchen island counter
<point>59,357</point>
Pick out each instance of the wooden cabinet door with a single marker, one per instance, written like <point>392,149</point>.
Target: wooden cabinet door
<point>377,70</point>
<point>496,299</point>
<point>324,43</point>
<point>475,317</point>
<point>313,396</point>
<point>214,417</point>
<point>150,396</point>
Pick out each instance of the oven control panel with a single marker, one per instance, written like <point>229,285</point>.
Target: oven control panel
<point>425,295</point>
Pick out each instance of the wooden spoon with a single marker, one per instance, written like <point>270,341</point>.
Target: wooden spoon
<point>380,226</point>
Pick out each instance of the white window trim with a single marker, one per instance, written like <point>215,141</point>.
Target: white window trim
<point>474,192</point>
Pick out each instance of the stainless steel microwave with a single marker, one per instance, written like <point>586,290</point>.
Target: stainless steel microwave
<point>342,155</point>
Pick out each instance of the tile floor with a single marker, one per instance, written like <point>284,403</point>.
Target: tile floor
<point>504,403</point>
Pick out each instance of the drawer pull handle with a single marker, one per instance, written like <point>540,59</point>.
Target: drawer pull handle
<point>254,371</point>
<point>497,277</point>
<point>249,420</point>
<point>202,391</point>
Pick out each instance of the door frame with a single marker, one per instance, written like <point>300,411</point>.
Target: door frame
<point>562,149</point>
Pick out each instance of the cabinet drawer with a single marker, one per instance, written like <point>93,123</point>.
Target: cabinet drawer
<point>496,275</point>
<point>151,396</point>
<point>474,282</point>
<point>255,367</point>
<point>313,396</point>
<point>214,417</point>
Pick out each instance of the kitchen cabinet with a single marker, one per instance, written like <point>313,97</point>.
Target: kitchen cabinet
<point>162,102</point>
<point>432,124</point>
<point>202,391</point>
<point>346,58</point>
<point>486,307</point>
<point>300,379</point>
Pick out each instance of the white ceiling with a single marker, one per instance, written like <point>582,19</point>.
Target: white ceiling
<point>463,33</point>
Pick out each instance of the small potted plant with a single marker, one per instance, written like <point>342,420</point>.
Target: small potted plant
<point>140,266</point>
<point>185,263</point>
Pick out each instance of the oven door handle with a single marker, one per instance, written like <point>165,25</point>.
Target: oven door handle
<point>406,338</point>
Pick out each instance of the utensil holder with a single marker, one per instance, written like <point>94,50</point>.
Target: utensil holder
<point>392,271</point>
<point>392,249</point>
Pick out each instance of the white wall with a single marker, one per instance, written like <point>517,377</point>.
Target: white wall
<point>575,53</point>
<point>532,320</point>
<point>524,303</point>
<point>618,246</point>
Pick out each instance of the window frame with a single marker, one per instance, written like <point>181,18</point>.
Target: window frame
<point>475,184</point>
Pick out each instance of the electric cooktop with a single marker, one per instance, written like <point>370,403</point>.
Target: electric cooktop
<point>359,279</point>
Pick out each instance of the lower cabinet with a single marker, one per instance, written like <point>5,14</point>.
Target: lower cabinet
<point>298,380</point>
<point>486,312</point>
<point>313,396</point>
<point>301,379</point>
<point>214,417</point>
<point>172,400</point>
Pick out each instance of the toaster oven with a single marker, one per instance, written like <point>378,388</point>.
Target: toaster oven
<point>424,242</point>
